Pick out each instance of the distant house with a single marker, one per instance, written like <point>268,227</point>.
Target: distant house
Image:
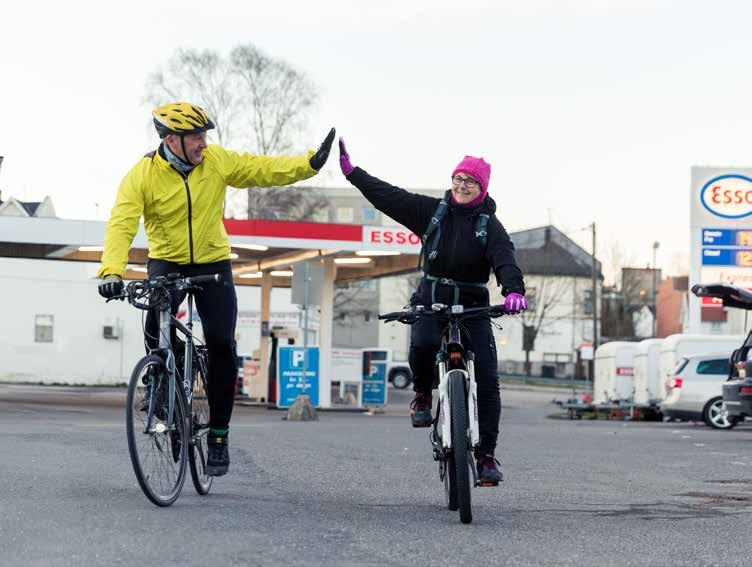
<point>15,208</point>
<point>559,280</point>
<point>673,308</point>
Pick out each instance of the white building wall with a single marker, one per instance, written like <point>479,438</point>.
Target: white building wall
<point>565,326</point>
<point>394,294</point>
<point>79,354</point>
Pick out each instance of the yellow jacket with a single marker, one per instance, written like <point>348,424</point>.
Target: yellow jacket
<point>183,218</point>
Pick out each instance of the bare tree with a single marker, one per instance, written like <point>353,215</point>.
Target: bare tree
<point>204,76</point>
<point>278,97</point>
<point>258,103</point>
<point>351,300</point>
<point>285,203</point>
<point>545,309</point>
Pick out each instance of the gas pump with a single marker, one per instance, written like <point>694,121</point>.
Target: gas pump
<point>288,336</point>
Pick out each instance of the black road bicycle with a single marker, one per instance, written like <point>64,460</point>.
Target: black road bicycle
<point>167,411</point>
<point>455,433</point>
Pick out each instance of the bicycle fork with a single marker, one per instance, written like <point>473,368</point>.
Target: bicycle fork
<point>164,346</point>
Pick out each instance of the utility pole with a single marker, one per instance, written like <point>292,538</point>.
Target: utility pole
<point>595,295</point>
<point>655,291</point>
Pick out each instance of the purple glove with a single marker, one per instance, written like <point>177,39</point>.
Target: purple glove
<point>344,159</point>
<point>514,303</point>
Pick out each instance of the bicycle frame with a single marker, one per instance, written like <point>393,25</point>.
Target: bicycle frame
<point>166,320</point>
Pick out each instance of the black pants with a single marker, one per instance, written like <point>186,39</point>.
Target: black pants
<point>425,341</point>
<point>217,305</point>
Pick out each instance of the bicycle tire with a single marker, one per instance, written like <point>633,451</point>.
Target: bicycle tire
<point>446,467</point>
<point>198,451</point>
<point>141,445</point>
<point>460,453</point>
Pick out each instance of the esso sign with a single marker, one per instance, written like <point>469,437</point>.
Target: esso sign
<point>395,238</point>
<point>728,196</point>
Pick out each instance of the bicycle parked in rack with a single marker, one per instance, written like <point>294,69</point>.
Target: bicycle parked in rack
<point>455,432</point>
<point>167,411</point>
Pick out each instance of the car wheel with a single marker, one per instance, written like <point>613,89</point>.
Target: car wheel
<point>401,379</point>
<point>715,415</point>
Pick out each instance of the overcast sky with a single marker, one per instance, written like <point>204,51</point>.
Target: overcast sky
<point>587,110</point>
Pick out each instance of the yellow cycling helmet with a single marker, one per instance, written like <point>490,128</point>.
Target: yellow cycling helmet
<point>181,118</point>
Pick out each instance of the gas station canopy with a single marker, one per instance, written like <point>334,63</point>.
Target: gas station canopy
<point>258,247</point>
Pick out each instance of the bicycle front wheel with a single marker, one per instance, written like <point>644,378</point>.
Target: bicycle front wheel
<point>460,445</point>
<point>198,453</point>
<point>159,453</point>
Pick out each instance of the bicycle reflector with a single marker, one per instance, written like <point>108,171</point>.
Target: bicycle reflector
<point>455,357</point>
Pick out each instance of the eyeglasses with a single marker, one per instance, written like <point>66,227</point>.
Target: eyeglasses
<point>469,182</point>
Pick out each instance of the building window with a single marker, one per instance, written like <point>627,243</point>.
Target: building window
<point>368,285</point>
<point>588,302</point>
<point>321,214</point>
<point>43,328</point>
<point>345,214</point>
<point>369,215</point>
<point>530,296</point>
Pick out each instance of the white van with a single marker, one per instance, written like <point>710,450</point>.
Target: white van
<point>614,372</point>
<point>649,387</point>
<point>676,347</point>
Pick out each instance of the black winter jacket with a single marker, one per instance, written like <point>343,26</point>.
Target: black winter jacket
<point>461,256</point>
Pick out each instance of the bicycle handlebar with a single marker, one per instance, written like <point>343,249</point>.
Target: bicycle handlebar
<point>172,282</point>
<point>438,311</point>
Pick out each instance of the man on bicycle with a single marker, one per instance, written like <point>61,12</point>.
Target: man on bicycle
<point>463,242</point>
<point>179,190</point>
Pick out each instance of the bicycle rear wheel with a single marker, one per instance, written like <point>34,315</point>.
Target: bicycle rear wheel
<point>460,446</point>
<point>198,453</point>
<point>159,455</point>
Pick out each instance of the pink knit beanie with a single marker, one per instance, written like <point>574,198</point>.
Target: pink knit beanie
<point>480,170</point>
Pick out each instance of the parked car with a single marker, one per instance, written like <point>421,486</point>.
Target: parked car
<point>399,374</point>
<point>695,391</point>
<point>737,391</point>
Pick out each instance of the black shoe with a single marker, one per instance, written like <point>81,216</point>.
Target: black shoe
<point>218,460</point>
<point>420,410</point>
<point>488,473</point>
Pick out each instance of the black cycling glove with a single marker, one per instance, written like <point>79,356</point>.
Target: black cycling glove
<point>111,286</point>
<point>318,159</point>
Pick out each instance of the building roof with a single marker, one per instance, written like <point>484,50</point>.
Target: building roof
<point>548,251</point>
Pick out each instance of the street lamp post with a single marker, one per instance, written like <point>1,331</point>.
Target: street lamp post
<point>656,245</point>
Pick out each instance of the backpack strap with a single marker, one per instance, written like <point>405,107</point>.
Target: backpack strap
<point>481,229</point>
<point>434,227</point>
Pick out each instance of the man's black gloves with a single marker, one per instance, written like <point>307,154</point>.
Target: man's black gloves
<point>319,158</point>
<point>110,287</point>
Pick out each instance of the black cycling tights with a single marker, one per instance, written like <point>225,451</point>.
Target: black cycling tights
<point>217,306</point>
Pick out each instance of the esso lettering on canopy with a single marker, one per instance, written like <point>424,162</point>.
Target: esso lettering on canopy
<point>728,196</point>
<point>390,238</point>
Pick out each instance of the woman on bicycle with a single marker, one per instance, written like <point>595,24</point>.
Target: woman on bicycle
<point>463,241</point>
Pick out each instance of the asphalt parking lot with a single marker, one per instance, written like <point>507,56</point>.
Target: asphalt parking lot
<point>359,489</point>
